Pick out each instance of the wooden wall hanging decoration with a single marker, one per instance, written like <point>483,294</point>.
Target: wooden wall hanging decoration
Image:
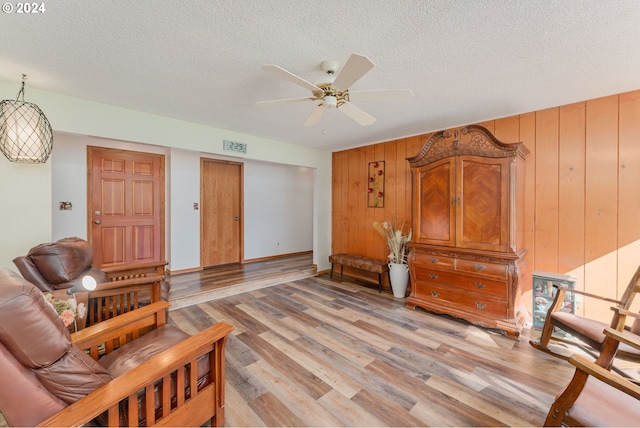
<point>375,188</point>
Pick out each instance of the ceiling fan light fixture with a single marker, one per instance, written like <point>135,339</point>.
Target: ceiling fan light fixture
<point>330,101</point>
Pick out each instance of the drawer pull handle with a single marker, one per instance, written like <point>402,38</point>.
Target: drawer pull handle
<point>480,305</point>
<point>479,267</point>
<point>479,285</point>
<point>435,294</point>
<point>433,260</point>
<point>433,276</point>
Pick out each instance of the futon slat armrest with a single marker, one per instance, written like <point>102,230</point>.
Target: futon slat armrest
<point>588,366</point>
<point>145,375</point>
<point>133,267</point>
<point>153,314</point>
<point>565,288</point>
<point>127,282</point>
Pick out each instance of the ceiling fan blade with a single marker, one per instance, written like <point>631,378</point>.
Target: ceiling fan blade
<point>315,116</point>
<point>284,74</point>
<point>355,67</point>
<point>381,95</point>
<point>360,116</point>
<point>284,101</point>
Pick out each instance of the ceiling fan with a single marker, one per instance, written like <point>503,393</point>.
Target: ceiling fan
<point>333,90</point>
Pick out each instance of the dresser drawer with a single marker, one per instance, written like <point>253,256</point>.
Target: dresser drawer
<point>498,289</point>
<point>432,260</point>
<point>473,303</point>
<point>482,268</point>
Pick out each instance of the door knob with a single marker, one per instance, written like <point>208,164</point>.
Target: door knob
<point>97,221</point>
<point>236,218</point>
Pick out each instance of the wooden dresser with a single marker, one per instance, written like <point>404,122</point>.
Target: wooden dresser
<point>467,255</point>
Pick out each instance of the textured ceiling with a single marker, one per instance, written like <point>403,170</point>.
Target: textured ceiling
<point>199,60</point>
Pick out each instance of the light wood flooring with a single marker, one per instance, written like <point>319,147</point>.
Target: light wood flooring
<point>321,352</point>
<point>196,287</point>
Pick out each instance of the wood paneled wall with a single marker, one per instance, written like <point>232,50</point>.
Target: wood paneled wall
<point>582,202</point>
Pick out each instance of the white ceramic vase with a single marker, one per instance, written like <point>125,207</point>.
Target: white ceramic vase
<point>399,276</point>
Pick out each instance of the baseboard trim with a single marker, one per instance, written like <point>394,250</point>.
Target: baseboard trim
<point>278,256</point>
<point>179,271</point>
<point>258,259</point>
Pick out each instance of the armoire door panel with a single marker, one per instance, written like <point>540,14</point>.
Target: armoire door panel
<point>436,184</point>
<point>483,208</point>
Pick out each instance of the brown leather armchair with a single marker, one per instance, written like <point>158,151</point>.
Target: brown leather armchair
<point>59,266</point>
<point>52,378</point>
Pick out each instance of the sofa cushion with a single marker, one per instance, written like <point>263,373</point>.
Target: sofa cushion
<point>34,334</point>
<point>73,376</point>
<point>143,348</point>
<point>27,402</point>
<point>148,346</point>
<point>29,326</point>
<point>62,261</point>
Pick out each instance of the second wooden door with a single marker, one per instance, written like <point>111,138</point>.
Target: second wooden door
<point>221,212</point>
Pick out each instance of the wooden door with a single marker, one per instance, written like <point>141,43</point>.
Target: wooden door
<point>483,203</point>
<point>220,213</point>
<point>436,210</point>
<point>126,206</point>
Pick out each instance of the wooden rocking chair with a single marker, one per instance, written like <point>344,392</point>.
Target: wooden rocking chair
<point>595,396</point>
<point>588,331</point>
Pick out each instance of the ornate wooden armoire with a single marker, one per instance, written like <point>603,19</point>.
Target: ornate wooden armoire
<point>466,256</point>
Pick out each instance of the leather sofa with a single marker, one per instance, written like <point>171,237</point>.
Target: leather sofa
<point>53,378</point>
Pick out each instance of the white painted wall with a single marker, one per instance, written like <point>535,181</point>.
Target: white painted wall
<point>278,209</point>
<point>183,222</point>
<point>25,208</point>
<point>278,205</point>
<point>28,203</point>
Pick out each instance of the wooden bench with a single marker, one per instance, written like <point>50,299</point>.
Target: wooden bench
<point>360,262</point>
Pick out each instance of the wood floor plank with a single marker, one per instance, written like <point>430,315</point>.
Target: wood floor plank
<point>326,338</point>
<point>274,412</point>
<point>339,382</point>
<point>389,412</point>
<point>479,401</point>
<point>342,324</point>
<point>306,380</point>
<point>242,414</point>
<point>274,323</point>
<point>288,391</point>
<point>348,412</point>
